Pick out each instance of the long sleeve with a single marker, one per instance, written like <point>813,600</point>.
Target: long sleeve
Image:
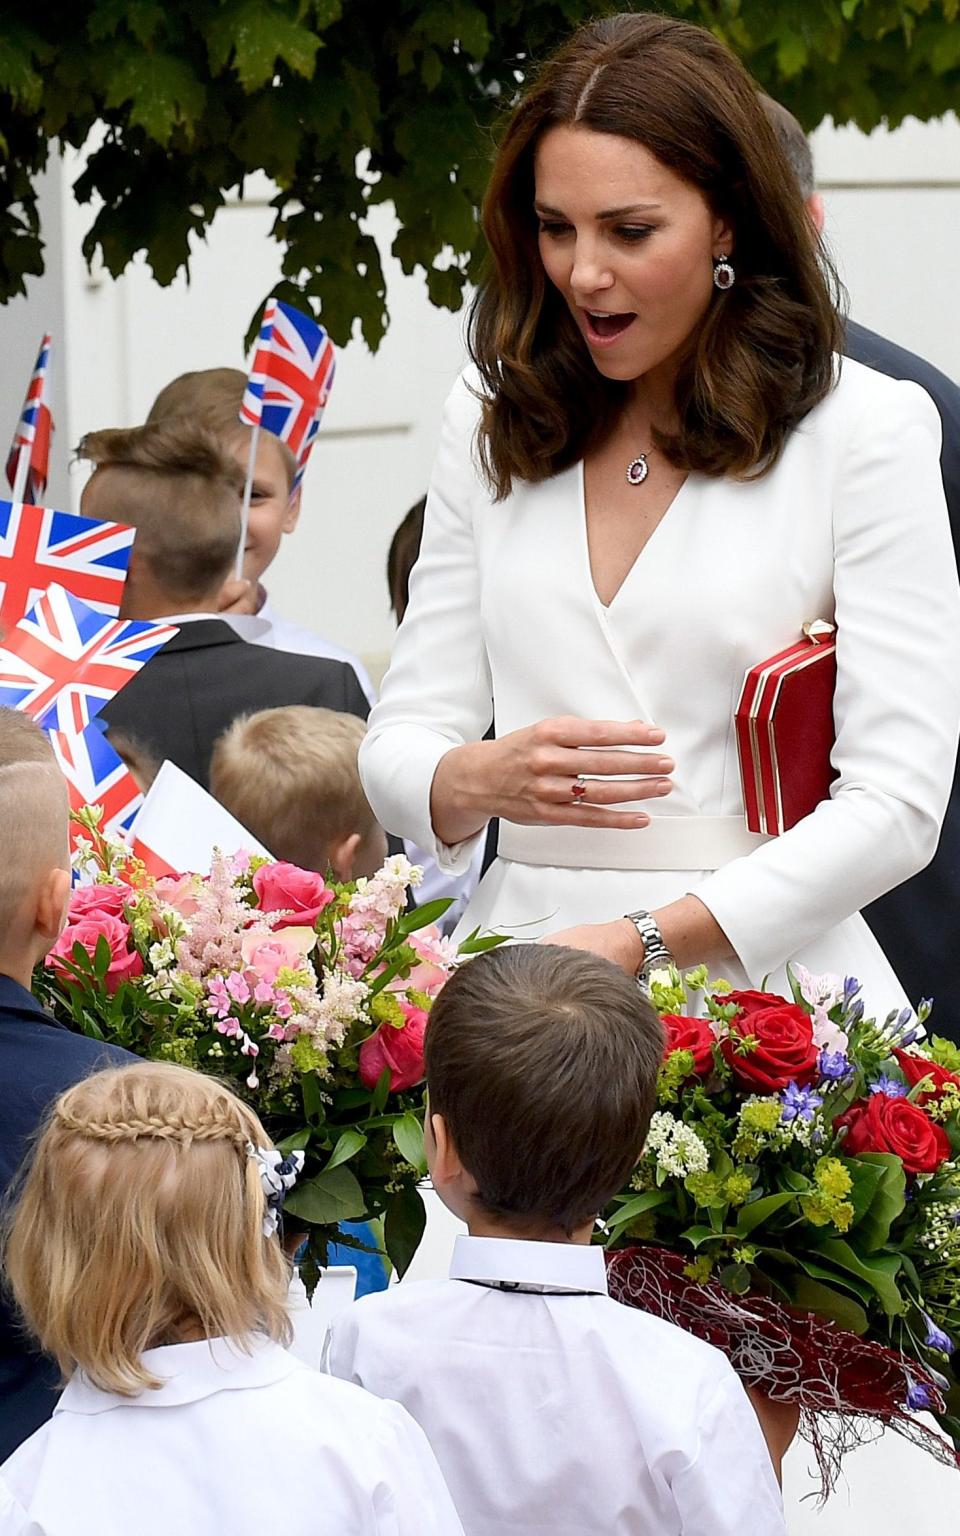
<point>14,1520</point>
<point>411,1497</point>
<point>728,1488</point>
<point>437,693</point>
<point>897,701</point>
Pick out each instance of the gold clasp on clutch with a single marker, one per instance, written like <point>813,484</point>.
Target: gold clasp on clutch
<point>817,630</point>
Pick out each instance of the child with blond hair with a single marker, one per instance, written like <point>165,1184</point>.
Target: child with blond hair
<point>39,1058</point>
<point>144,1255</point>
<point>290,776</point>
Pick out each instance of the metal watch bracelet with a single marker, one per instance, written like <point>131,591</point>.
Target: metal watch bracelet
<point>655,952</point>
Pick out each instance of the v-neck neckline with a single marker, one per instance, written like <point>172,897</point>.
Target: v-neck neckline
<point>606,608</point>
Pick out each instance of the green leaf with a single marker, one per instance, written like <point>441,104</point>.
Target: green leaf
<point>637,1205</point>
<point>475,945</point>
<point>879,1271</point>
<point>256,35</point>
<point>161,91</point>
<point>348,1145</point>
<point>101,957</point>
<point>298,1142</point>
<point>813,1296</point>
<point>886,1204</point>
<point>758,1210</point>
<point>697,1235</point>
<point>403,1228</point>
<point>313,1106</point>
<point>422,917</point>
<point>331,1197</point>
<point>381,1093</point>
<point>408,1135</point>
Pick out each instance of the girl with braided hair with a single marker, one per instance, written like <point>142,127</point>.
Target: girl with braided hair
<point>144,1255</point>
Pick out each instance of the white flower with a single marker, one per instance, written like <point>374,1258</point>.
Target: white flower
<point>819,991</point>
<point>676,1147</point>
<point>828,1036</point>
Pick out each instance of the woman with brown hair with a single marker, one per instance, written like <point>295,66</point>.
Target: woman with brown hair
<point>655,474</point>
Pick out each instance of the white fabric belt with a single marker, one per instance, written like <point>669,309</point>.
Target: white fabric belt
<point>669,842</point>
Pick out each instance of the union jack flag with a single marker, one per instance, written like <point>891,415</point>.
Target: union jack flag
<point>290,380</point>
<point>63,662</point>
<point>34,431</point>
<point>39,546</point>
<point>95,775</point>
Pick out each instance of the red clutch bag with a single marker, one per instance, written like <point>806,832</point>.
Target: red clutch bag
<point>785,731</point>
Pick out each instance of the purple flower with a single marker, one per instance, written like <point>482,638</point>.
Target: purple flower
<point>220,1002</point>
<point>851,987</point>
<point>936,1338</point>
<point>919,1395</point>
<point>910,1037</point>
<point>799,1103</point>
<point>891,1087</point>
<point>237,987</point>
<point>856,1012</point>
<point>833,1065</point>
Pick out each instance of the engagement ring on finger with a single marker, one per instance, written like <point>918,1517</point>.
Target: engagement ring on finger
<point>578,789</point>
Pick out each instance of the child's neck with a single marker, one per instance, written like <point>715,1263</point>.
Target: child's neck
<point>479,1224</point>
<point>20,966</point>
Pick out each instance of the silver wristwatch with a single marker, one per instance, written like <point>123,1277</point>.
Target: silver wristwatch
<point>656,955</point>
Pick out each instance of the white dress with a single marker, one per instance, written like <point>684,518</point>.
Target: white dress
<point>850,526</point>
<point>504,621</point>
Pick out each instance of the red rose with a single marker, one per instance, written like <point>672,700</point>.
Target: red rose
<point>399,1049</point>
<point>106,900</point>
<point>882,1124</point>
<point>693,1035</point>
<point>785,1051</point>
<point>125,963</point>
<point>751,1002</point>
<point>914,1068</point>
<point>300,892</point>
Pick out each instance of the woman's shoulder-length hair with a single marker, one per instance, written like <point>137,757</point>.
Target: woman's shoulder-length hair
<point>764,354</point>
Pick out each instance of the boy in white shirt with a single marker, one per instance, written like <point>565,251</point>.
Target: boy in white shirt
<point>553,1410</point>
<point>212,396</point>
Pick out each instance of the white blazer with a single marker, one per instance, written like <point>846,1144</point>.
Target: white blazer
<point>850,526</point>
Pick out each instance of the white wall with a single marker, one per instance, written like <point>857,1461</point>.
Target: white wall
<point>893,216</point>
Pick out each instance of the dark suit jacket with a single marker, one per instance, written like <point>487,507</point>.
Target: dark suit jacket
<point>202,679</point>
<point>916,923</point>
<point>39,1060</point>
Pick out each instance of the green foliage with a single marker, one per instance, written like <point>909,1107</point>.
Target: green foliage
<point>346,106</point>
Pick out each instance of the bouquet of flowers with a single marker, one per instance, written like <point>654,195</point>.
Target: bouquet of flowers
<point>798,1201</point>
<point>311,997</point>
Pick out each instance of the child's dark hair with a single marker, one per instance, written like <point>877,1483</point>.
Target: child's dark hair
<point>543,1062</point>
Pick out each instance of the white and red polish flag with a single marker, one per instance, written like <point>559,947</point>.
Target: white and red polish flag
<point>180,825</point>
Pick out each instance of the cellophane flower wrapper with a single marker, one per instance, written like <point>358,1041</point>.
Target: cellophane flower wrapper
<point>797,1203</point>
<point>308,996</point>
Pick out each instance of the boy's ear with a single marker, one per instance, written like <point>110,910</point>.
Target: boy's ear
<point>292,515</point>
<point>53,901</point>
<point>446,1165</point>
<point>342,855</point>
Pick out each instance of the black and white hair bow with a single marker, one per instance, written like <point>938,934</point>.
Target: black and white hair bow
<point>277,1175</point>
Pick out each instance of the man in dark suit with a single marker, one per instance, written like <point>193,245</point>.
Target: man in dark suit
<point>39,1058</point>
<point>175,484</point>
<point>915,923</point>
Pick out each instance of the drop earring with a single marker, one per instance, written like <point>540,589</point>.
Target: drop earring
<point>724,276</point>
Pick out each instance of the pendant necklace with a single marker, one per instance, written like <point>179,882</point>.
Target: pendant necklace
<point>637,470</point>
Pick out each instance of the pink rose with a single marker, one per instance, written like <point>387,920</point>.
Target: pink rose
<point>269,953</point>
<point>285,888</point>
<point>125,963</point>
<point>430,972</point>
<point>180,893</point>
<point>105,900</point>
<point>399,1049</point>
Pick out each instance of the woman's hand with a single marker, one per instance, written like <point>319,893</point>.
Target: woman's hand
<point>618,942</point>
<point>529,777</point>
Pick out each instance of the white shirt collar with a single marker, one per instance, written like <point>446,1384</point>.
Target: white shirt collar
<point>508,1264</point>
<point>188,1372</point>
<point>247,625</point>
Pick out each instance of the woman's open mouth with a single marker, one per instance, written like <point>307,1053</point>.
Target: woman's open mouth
<point>603,329</point>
